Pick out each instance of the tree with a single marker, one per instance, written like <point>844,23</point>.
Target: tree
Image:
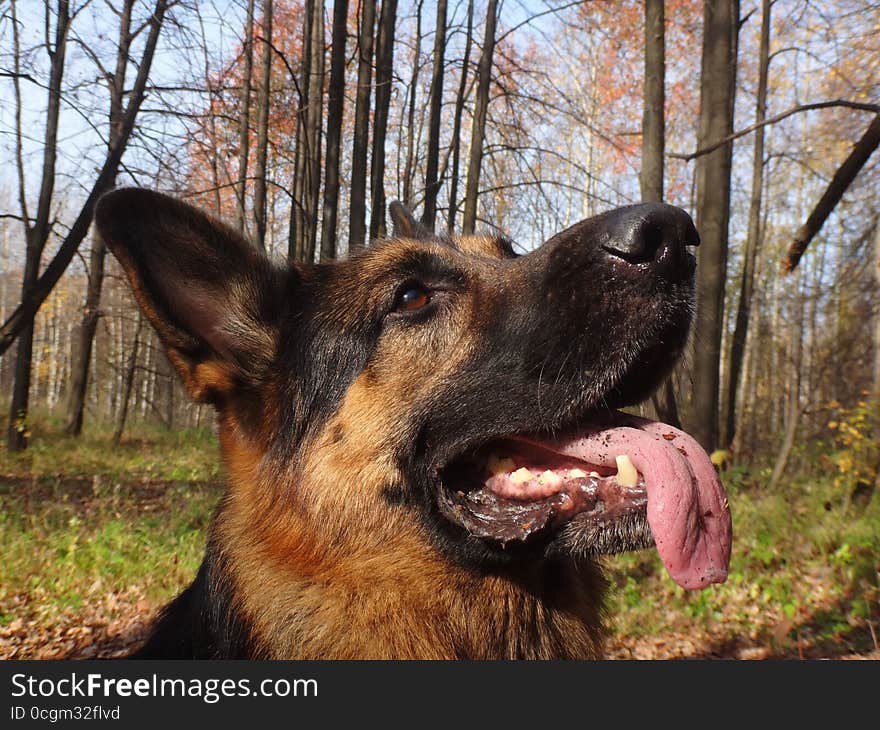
<point>793,406</point>
<point>335,104</point>
<point>654,117</point>
<point>717,92</point>
<point>36,232</point>
<point>263,102</point>
<point>128,382</point>
<point>384,79</point>
<point>846,173</point>
<point>456,119</point>
<point>357,226</point>
<point>91,311</point>
<point>478,130</point>
<point>314,123</point>
<point>753,240</point>
<point>875,379</point>
<point>653,148</point>
<point>24,313</point>
<point>432,180</point>
<point>244,117</point>
<point>411,152</point>
<point>297,248</point>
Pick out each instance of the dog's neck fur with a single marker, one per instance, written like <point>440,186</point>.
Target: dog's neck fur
<point>308,605</point>
<point>395,597</point>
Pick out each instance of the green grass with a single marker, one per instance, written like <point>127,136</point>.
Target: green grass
<point>81,518</point>
<point>145,454</point>
<point>83,521</point>
<point>805,566</point>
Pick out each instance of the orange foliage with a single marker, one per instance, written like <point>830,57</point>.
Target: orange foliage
<point>215,143</point>
<point>614,45</point>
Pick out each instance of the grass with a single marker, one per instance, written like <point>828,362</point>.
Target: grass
<point>84,519</point>
<point>804,573</point>
<point>145,454</point>
<point>92,529</point>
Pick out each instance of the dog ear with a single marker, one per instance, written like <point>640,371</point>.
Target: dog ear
<point>404,225</point>
<point>213,298</point>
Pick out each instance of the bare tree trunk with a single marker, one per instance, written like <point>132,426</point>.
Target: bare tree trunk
<point>357,221</point>
<point>85,338</point>
<point>875,380</point>
<point>791,427</point>
<point>653,114</point>
<point>384,79</point>
<point>4,300</point>
<point>432,181</point>
<point>753,242</point>
<point>335,105</point>
<point>717,91</point>
<point>314,121</point>
<point>456,121</point>
<point>170,382</point>
<point>478,130</point>
<point>758,351</point>
<point>410,168</point>
<point>148,384</point>
<point>748,429</point>
<point>794,407</point>
<point>846,173</point>
<point>24,313</point>
<point>213,99</point>
<point>653,149</point>
<point>244,118</point>
<point>36,235</point>
<point>128,382</point>
<point>263,103</point>
<point>296,244</point>
<point>92,308</point>
<point>55,363</point>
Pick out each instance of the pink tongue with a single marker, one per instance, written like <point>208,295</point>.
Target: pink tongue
<point>687,508</point>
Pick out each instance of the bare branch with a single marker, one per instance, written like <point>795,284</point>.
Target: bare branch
<point>842,179</point>
<point>531,18</point>
<point>26,310</point>
<point>773,120</point>
<point>93,56</point>
<point>17,75</point>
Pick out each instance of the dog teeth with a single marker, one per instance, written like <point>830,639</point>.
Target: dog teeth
<point>627,476</point>
<point>550,478</point>
<point>521,476</point>
<point>577,473</point>
<point>500,465</point>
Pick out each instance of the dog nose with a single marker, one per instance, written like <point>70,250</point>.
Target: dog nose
<point>652,234</point>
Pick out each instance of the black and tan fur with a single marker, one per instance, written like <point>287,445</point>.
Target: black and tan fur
<point>337,409</point>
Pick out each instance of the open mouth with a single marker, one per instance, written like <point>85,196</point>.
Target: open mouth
<point>616,484</point>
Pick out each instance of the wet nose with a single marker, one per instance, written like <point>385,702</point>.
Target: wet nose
<point>652,235</point>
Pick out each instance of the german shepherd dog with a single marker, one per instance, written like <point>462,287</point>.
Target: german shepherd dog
<point>424,453</point>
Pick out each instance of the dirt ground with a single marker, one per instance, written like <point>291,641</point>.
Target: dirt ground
<point>119,626</point>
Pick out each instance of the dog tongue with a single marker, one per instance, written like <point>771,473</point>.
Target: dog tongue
<point>687,508</point>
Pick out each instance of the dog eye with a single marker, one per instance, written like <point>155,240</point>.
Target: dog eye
<point>411,298</point>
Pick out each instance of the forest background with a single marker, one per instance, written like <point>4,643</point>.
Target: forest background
<point>298,121</point>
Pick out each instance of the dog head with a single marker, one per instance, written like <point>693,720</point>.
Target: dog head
<point>440,389</point>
